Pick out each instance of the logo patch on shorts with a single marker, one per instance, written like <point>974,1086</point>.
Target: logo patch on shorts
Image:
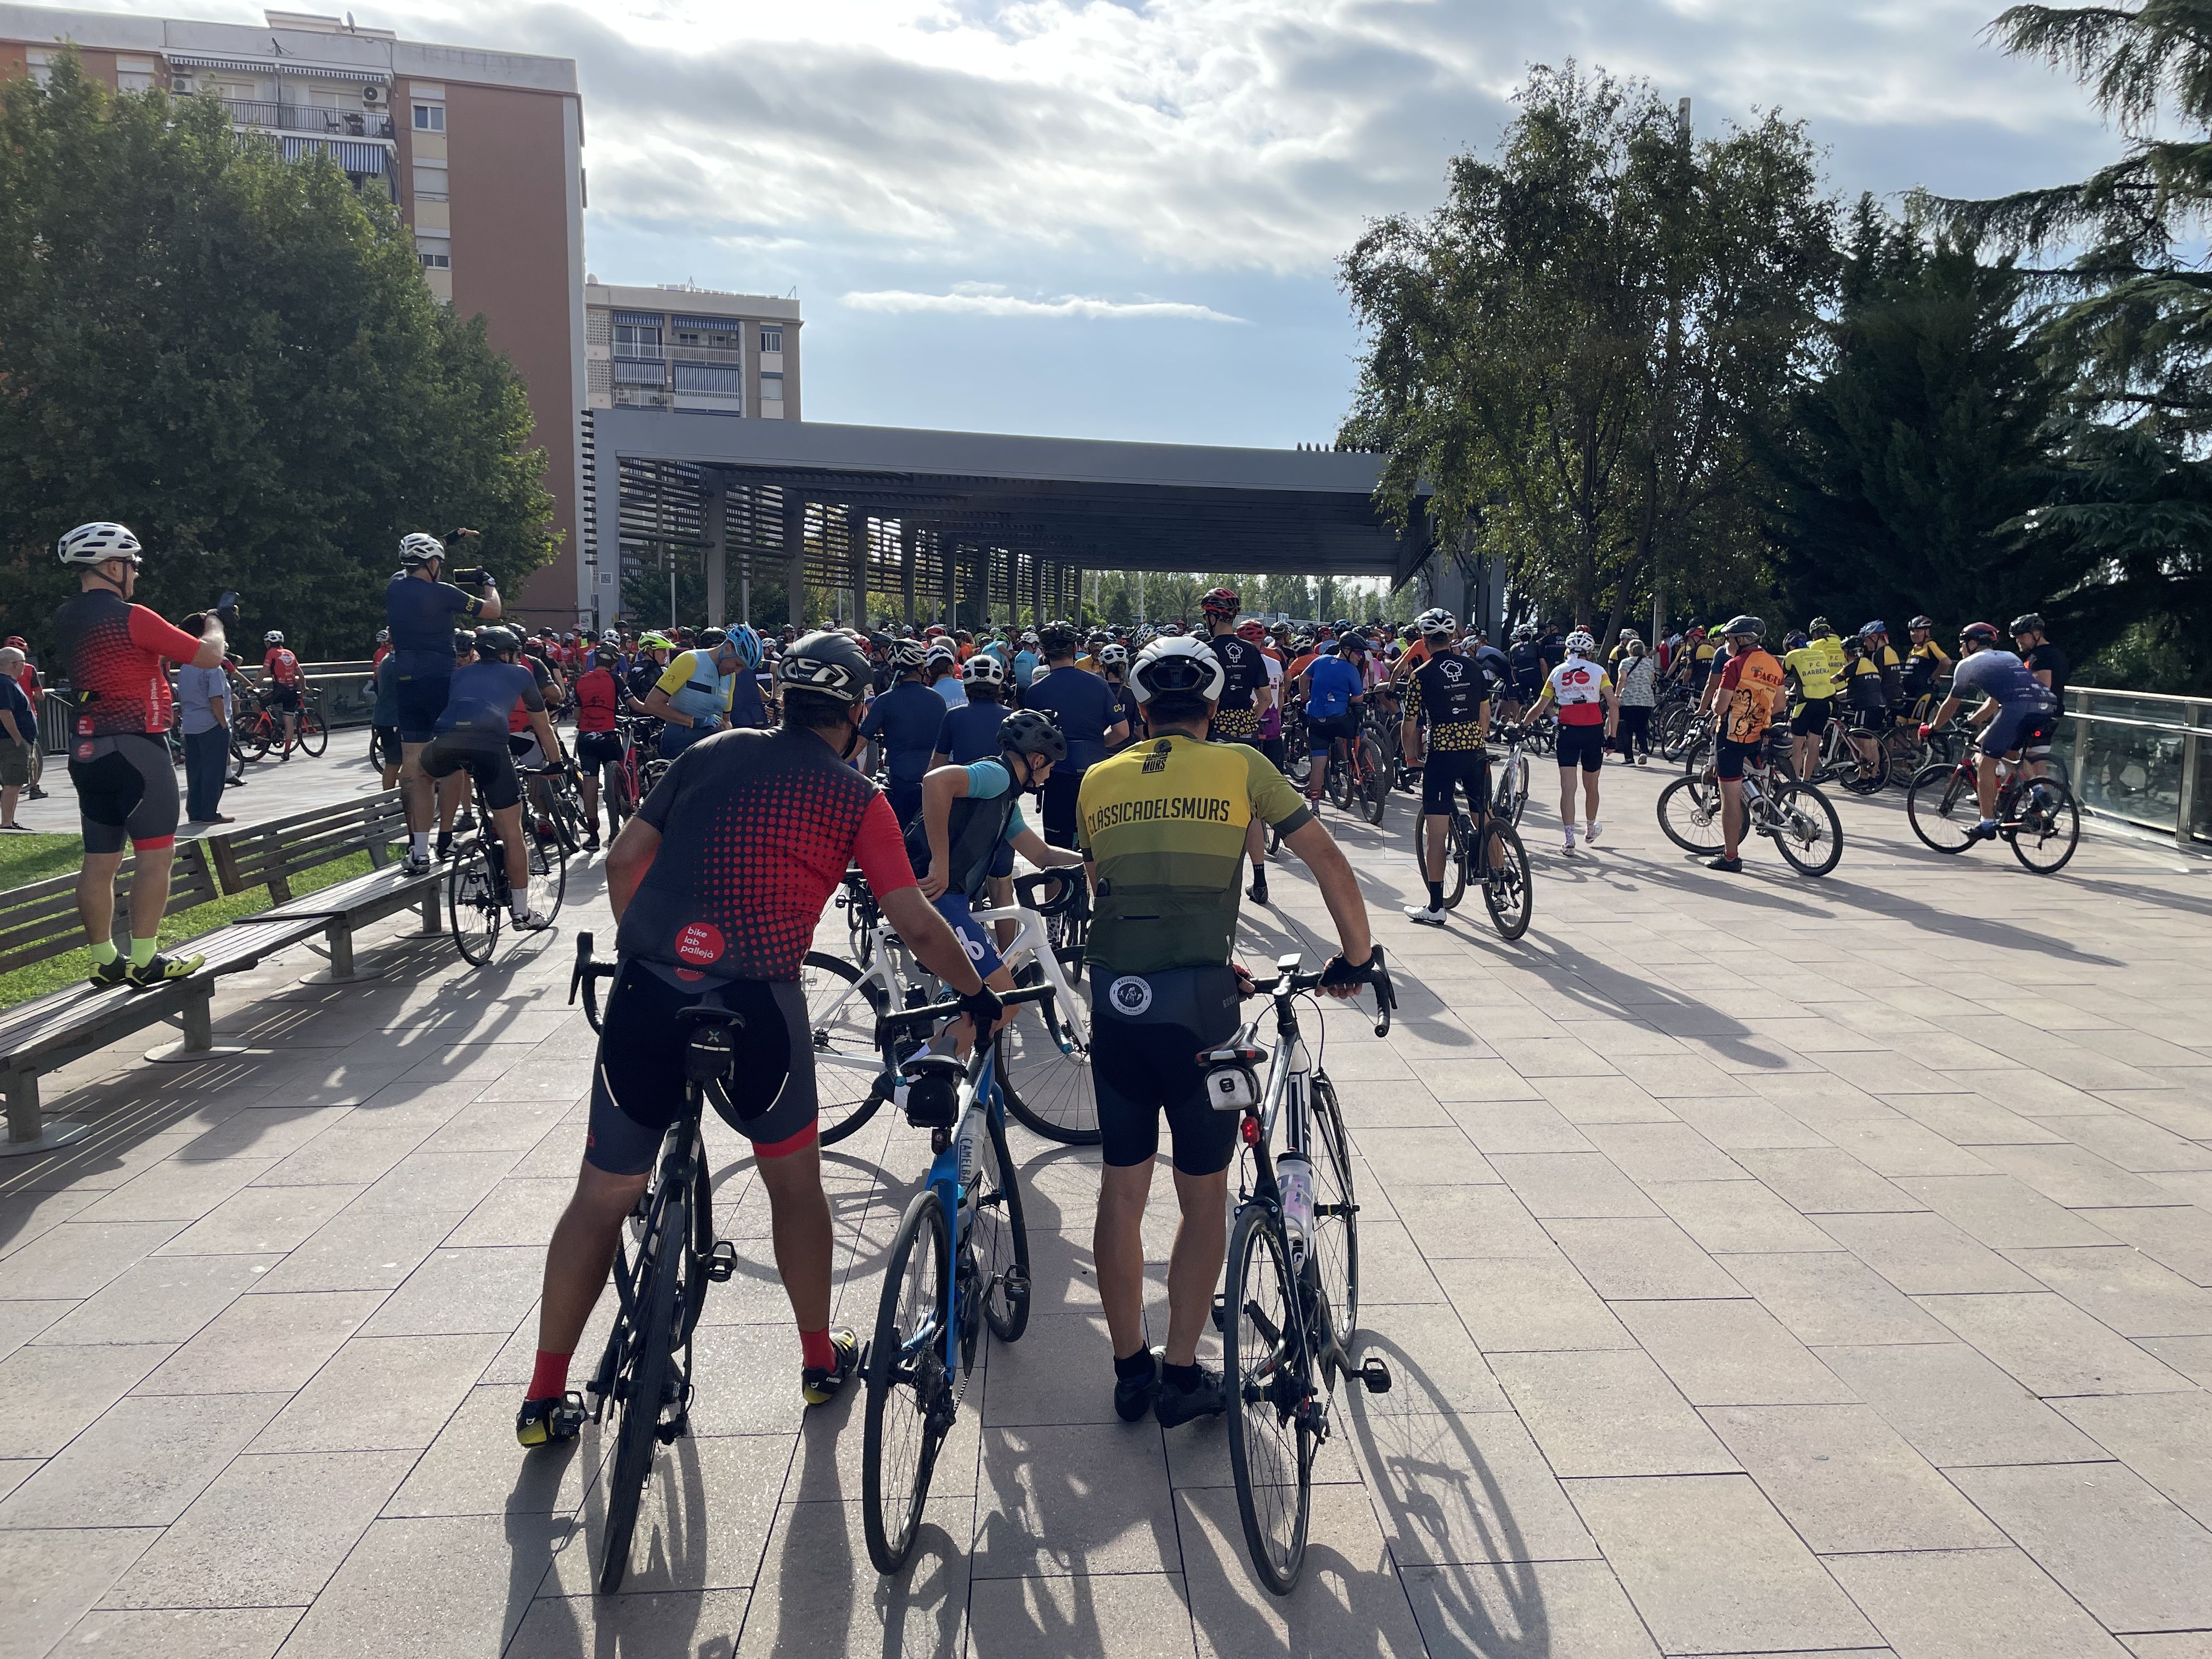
<point>974,947</point>
<point>1131,995</point>
<point>698,942</point>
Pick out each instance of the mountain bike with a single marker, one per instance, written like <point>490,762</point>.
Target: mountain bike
<point>1289,1311</point>
<point>1492,859</point>
<point>2037,817</point>
<point>478,895</point>
<point>665,1259</point>
<point>960,1261</point>
<point>1797,817</point>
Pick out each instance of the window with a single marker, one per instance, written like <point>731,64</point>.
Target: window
<point>429,183</point>
<point>637,340</point>
<point>710,377</point>
<point>429,117</point>
<point>438,261</point>
<point>771,388</point>
<point>135,74</point>
<point>771,339</point>
<point>41,65</point>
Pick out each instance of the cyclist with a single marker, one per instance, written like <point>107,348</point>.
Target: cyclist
<point>905,721</point>
<point>1089,716</point>
<point>648,664</point>
<point>1927,665</point>
<point>2020,714</point>
<point>1588,715</point>
<point>1244,696</point>
<point>1747,693</point>
<point>2045,660</point>
<point>695,692</point>
<point>1873,684</point>
<point>280,685</point>
<point>1454,692</point>
<point>941,671</point>
<point>1269,741</point>
<point>420,609</point>
<point>1336,699</point>
<point>1163,823</point>
<point>600,702</point>
<point>1526,677</point>
<point>970,732</point>
<point>1817,666</point>
<point>717,885</point>
<point>111,651</point>
<point>474,735</point>
<point>1114,667</point>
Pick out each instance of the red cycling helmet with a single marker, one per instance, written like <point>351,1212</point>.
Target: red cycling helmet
<point>1253,632</point>
<point>1221,602</point>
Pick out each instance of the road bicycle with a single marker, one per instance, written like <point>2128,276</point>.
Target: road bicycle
<point>1844,760</point>
<point>620,783</point>
<point>260,728</point>
<point>1359,770</point>
<point>960,1261</point>
<point>664,1258</point>
<point>2037,817</point>
<point>478,895</point>
<point>1509,796</point>
<point>1491,859</point>
<point>1289,1310</point>
<point>1797,817</point>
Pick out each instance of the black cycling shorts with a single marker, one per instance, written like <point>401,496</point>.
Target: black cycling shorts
<point>1732,757</point>
<point>281,698</point>
<point>1812,716</point>
<point>1582,747</point>
<point>1146,1031</point>
<point>1446,771</point>
<point>1876,720</point>
<point>1322,730</point>
<point>638,1083</point>
<point>422,701</point>
<point>598,749</point>
<point>383,745</point>
<point>487,762</point>
<point>126,789</point>
<point>2026,729</point>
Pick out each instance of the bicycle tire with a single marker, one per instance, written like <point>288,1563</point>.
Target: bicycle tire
<point>1697,806</point>
<point>1048,1087</point>
<point>1339,774</point>
<point>472,904</point>
<point>549,871</point>
<point>1819,816</point>
<point>313,736</point>
<point>1455,866</point>
<point>1375,785</point>
<point>2045,799</point>
<point>641,1402</point>
<point>1265,1376</point>
<point>1005,1264</point>
<point>1336,1212</point>
<point>1501,886</point>
<point>922,1372</point>
<point>1865,779</point>
<point>845,1097</point>
<point>1932,804</point>
<point>1518,768</point>
<point>256,737</point>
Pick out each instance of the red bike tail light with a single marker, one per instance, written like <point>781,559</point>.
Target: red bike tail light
<point>1251,1131</point>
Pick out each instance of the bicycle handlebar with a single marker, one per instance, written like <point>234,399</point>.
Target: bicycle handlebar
<point>1067,878</point>
<point>586,976</point>
<point>1292,981</point>
<point>938,1011</point>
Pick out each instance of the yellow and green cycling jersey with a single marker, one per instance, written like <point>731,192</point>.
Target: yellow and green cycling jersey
<point>1164,822</point>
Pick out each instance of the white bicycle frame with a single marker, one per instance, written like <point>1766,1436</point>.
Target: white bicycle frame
<point>1031,944</point>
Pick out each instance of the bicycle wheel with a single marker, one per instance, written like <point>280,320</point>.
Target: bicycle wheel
<point>1863,777</point>
<point>549,871</point>
<point>999,1237</point>
<point>1455,866</point>
<point>473,904</point>
<point>1266,1378</point>
<point>1507,892</point>
<point>2047,825</point>
<point>910,1403</point>
<point>642,1388</point>
<point>1375,780</point>
<point>1805,828</point>
<point>255,737</point>
<point>1518,778</point>
<point>1942,808</point>
<point>848,1058</point>
<point>1339,774</point>
<point>1336,1212</point>
<point>1044,1071</point>
<point>314,737</point>
<point>1690,813</point>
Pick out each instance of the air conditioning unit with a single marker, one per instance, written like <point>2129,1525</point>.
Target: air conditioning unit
<point>372,95</point>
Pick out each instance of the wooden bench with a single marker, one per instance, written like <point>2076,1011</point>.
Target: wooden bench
<point>277,854</point>
<point>38,923</point>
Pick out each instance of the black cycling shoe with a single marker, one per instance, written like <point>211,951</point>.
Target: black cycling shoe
<point>106,975</point>
<point>819,1387</point>
<point>1174,1406</point>
<point>552,1421</point>
<point>1726,866</point>
<point>1133,1395</point>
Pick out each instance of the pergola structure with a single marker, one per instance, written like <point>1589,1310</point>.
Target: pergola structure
<point>928,519</point>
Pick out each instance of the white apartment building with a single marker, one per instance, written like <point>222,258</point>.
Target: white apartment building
<point>678,347</point>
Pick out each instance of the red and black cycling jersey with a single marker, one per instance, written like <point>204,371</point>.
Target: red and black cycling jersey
<point>758,830</point>
<point>281,666</point>
<point>598,699</point>
<point>111,651</point>
<point>548,694</point>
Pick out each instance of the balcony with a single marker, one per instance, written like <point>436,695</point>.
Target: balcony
<point>642,397</point>
<point>309,118</point>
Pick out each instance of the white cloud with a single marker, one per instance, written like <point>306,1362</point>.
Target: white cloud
<point>986,300</point>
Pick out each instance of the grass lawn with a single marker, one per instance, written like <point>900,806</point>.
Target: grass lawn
<point>26,859</point>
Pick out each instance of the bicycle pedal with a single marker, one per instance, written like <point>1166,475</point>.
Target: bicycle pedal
<point>670,1433</point>
<point>1374,1375</point>
<point>1221,1313</point>
<point>722,1262</point>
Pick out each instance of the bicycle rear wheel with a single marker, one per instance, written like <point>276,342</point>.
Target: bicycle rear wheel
<point>2047,825</point>
<point>1690,813</point>
<point>1507,892</point>
<point>910,1403</point>
<point>1336,1212</point>
<point>549,871</point>
<point>1339,774</point>
<point>473,904</point>
<point>1806,830</point>
<point>842,1022</point>
<point>1863,777</point>
<point>314,737</point>
<point>641,1388</point>
<point>1266,1378</point>
<point>1942,808</point>
<point>999,1236</point>
<point>1455,866</point>
<point>1044,1071</point>
<point>1375,780</point>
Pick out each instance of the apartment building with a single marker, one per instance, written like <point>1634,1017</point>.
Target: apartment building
<point>482,151</point>
<point>678,347</point>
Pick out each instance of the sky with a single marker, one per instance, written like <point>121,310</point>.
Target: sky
<point>1122,220</point>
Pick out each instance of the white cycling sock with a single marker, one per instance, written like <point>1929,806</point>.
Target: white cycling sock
<point>418,841</point>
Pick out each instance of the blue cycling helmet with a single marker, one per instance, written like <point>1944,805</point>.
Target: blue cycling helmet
<point>747,645</point>
<point>1877,626</point>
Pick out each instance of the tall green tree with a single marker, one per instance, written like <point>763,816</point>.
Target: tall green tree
<point>237,356</point>
<point>1573,350</point>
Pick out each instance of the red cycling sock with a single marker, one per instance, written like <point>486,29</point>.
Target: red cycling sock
<point>548,1378</point>
<point>815,1351</point>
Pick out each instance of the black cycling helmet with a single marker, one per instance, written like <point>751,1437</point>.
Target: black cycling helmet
<point>1033,731</point>
<point>829,663</point>
<point>606,656</point>
<point>2031,623</point>
<point>1058,639</point>
<point>1742,625</point>
<point>1921,624</point>
<point>497,641</point>
<point>710,637</point>
<point>463,640</point>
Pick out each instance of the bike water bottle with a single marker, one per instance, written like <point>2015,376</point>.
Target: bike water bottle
<point>1294,1175</point>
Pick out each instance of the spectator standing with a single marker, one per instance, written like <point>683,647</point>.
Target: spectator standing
<point>34,688</point>
<point>19,737</point>
<point>1637,685</point>
<point>384,719</point>
<point>203,694</point>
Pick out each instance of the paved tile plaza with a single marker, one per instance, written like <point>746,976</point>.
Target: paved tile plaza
<point>1766,1267</point>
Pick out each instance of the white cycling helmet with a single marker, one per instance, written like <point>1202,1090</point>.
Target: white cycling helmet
<point>1114,656</point>
<point>908,654</point>
<point>1172,663</point>
<point>272,637</point>
<point>97,542</point>
<point>1435,621</point>
<point>419,549</point>
<point>1580,643</point>
<point>983,668</point>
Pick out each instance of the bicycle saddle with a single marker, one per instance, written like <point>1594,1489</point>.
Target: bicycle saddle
<point>711,1054</point>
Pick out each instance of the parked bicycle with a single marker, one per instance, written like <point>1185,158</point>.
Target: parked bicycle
<point>1861,769</point>
<point>2037,817</point>
<point>1796,817</point>
<point>478,894</point>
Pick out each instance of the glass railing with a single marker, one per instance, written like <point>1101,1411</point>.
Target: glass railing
<point>2140,759</point>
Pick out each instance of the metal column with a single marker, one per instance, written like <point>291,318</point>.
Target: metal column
<point>856,564</point>
<point>1037,590</point>
<point>794,555</point>
<point>948,554</point>
<point>908,536</point>
<point>714,519</point>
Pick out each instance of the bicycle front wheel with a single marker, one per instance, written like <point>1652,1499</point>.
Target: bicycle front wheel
<point>910,1403</point>
<point>1942,808</point>
<point>1267,1379</point>
<point>473,904</point>
<point>1863,777</point>
<point>1518,779</point>
<point>1044,1071</point>
<point>1455,866</point>
<point>2047,825</point>
<point>642,1391</point>
<point>549,871</point>
<point>1339,774</point>
<point>1507,892</point>
<point>1806,830</point>
<point>1374,781</point>
<point>1690,813</point>
<point>999,1237</point>
<point>314,736</point>
<point>841,1022</point>
<point>1336,1213</point>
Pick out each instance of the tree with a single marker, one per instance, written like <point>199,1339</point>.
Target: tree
<point>236,356</point>
<point>1573,350</point>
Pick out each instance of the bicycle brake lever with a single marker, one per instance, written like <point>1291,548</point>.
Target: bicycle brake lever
<point>576,976</point>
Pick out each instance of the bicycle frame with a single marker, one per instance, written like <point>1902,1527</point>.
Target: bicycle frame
<point>1032,942</point>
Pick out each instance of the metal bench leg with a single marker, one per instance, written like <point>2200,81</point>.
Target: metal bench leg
<point>28,1131</point>
<point>433,918</point>
<point>344,970</point>
<point>197,1017</point>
